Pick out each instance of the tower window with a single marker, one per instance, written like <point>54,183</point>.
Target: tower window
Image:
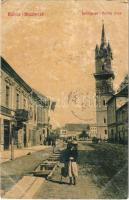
<point>104,102</point>
<point>102,67</point>
<point>105,132</point>
<point>104,120</point>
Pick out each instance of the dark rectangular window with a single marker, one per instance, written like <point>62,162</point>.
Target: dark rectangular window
<point>17,100</point>
<point>104,103</point>
<point>24,103</point>
<point>7,95</point>
<point>104,120</point>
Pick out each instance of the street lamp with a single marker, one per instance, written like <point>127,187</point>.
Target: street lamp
<point>12,134</point>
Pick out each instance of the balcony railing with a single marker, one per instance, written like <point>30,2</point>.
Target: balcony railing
<point>5,111</point>
<point>22,115</point>
<point>105,74</point>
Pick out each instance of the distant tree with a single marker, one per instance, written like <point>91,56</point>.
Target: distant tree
<point>84,135</point>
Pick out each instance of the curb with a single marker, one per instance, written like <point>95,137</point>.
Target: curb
<point>25,188</point>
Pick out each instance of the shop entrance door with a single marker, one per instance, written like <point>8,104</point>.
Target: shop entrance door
<point>6,134</point>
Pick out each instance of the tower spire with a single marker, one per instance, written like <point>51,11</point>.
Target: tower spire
<point>103,36</point>
<point>104,76</point>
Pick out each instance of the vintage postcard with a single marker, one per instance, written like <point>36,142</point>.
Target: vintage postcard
<point>63,99</point>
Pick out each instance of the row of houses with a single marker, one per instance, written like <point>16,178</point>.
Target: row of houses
<point>117,115</point>
<point>24,112</point>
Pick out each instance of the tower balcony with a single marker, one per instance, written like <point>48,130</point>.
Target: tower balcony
<point>104,75</point>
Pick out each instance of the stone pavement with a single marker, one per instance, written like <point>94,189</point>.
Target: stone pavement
<point>86,188</point>
<point>54,189</point>
<point>25,188</point>
<point>6,155</point>
<point>13,171</point>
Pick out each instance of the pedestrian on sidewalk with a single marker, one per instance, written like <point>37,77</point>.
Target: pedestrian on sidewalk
<point>72,164</point>
<point>54,144</point>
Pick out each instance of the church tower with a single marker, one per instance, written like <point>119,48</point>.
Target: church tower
<point>104,83</point>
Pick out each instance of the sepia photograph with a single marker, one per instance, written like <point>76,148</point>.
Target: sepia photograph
<point>64,99</point>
